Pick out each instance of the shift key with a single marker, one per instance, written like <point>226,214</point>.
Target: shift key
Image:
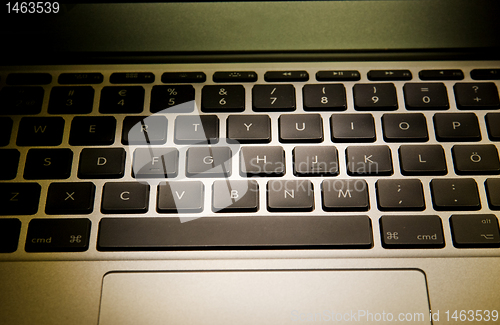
<point>58,235</point>
<point>411,231</point>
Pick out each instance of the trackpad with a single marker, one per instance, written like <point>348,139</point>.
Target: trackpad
<point>265,297</point>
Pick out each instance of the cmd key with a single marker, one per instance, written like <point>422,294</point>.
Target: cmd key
<point>58,235</point>
<point>411,231</point>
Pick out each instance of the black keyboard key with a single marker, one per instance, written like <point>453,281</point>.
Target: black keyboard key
<point>422,160</point>
<point>9,163</point>
<point>389,75</point>
<point>410,127</point>
<point>101,163</point>
<point>58,235</point>
<point>9,235</point>
<point>208,162</point>
<point>300,128</point>
<point>290,195</point>
<point>40,131</point>
<point>155,163</point>
<point>21,79</point>
<point>48,164</point>
<point>450,74</point>
<point>477,95</point>
<point>71,100</point>
<point>380,96</point>
<point>126,99</point>
<point>92,131</point>
<point>273,98</point>
<point>196,129</point>
<point>80,78</point>
<point>493,125</point>
<point>132,78</point>
<point>125,197</point>
<point>326,97</point>
<point>5,130</point>
<point>455,194</point>
<point>180,197</point>
<point>249,128</point>
<point>493,192</point>
<point>235,196</point>
<point>277,76</point>
<point>485,74</point>
<point>369,161</point>
<point>345,195</point>
<point>352,128</point>
<point>476,159</point>
<point>172,99</point>
<point>19,198</point>
<point>338,75</point>
<point>400,195</point>
<point>70,198</point>
<point>230,98</point>
<point>234,76</point>
<point>144,130</point>
<point>240,232</point>
<point>183,77</point>
<point>475,230</point>
<point>456,127</point>
<point>262,161</point>
<point>418,231</point>
<point>426,96</point>
<point>315,161</point>
<point>21,100</point>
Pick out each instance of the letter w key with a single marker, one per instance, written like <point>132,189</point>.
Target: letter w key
<point>40,131</point>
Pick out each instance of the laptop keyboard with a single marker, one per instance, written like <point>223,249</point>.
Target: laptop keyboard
<point>362,157</point>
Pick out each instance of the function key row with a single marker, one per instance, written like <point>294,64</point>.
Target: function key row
<point>246,76</point>
<point>231,98</point>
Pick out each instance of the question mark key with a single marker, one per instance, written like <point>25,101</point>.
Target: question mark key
<point>477,95</point>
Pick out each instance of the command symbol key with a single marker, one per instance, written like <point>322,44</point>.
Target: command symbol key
<point>58,235</point>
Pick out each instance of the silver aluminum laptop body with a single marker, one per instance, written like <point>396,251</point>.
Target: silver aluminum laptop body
<point>280,262</point>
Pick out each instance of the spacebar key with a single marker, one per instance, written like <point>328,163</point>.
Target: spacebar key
<point>241,232</point>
